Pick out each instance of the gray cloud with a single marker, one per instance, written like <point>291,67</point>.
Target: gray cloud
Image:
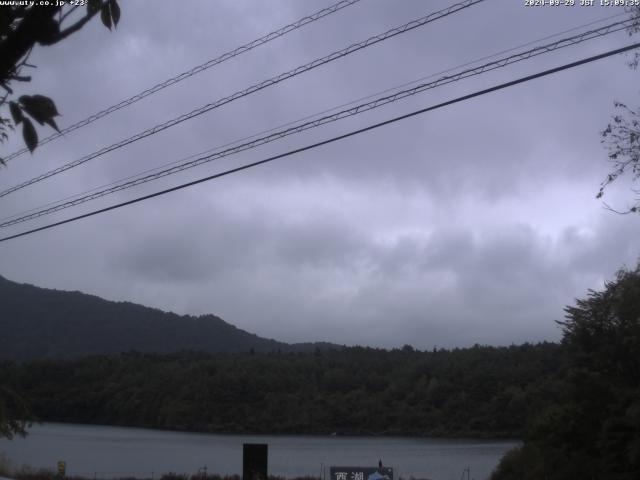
<point>474,223</point>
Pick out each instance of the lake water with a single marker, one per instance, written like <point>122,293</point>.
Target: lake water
<point>107,452</point>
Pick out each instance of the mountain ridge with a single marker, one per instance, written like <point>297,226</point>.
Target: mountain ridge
<point>38,322</point>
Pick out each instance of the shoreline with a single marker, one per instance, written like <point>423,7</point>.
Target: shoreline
<point>470,436</point>
<point>93,452</point>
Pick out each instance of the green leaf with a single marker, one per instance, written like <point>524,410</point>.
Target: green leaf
<point>16,113</point>
<point>115,11</point>
<point>105,15</point>
<point>29,134</point>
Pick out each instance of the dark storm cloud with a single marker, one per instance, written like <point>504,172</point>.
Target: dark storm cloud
<point>474,223</point>
<point>362,284</point>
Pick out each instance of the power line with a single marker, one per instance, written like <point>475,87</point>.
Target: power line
<point>333,139</point>
<point>330,118</point>
<point>194,71</point>
<point>308,117</point>
<point>500,63</point>
<point>254,88</point>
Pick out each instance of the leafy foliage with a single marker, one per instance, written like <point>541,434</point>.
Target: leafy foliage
<point>622,135</point>
<point>593,429</point>
<point>635,28</point>
<point>14,413</point>
<point>22,27</point>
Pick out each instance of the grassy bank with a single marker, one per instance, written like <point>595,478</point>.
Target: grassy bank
<point>26,473</point>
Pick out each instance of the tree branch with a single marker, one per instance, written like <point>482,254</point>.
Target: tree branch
<point>62,17</point>
<point>608,207</point>
<point>76,26</point>
<point>23,38</point>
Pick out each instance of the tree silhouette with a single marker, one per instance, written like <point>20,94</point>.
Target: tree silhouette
<point>593,429</point>
<point>22,27</point>
<point>622,136</point>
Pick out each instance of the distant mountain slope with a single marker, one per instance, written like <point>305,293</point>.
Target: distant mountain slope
<point>43,323</point>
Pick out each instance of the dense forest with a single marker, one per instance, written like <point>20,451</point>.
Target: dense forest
<point>44,323</point>
<point>575,404</point>
<point>479,391</point>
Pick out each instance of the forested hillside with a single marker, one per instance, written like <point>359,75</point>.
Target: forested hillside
<point>592,430</point>
<point>479,391</point>
<point>43,323</point>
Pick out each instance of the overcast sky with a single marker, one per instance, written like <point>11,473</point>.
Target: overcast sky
<point>473,223</point>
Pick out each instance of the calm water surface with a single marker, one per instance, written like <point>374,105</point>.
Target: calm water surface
<point>105,452</point>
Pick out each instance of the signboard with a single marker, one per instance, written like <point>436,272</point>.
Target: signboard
<point>254,461</point>
<point>361,473</point>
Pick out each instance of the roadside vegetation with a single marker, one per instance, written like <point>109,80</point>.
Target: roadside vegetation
<point>592,430</point>
<point>30,474</point>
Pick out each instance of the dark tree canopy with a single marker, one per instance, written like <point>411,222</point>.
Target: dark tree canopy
<point>15,414</point>
<point>472,392</point>
<point>594,430</point>
<point>23,27</point>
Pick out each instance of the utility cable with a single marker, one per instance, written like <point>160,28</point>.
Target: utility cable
<point>378,102</point>
<point>308,117</point>
<point>193,71</point>
<point>333,139</point>
<point>254,88</point>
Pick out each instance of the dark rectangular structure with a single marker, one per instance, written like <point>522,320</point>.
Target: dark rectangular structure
<point>254,461</point>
